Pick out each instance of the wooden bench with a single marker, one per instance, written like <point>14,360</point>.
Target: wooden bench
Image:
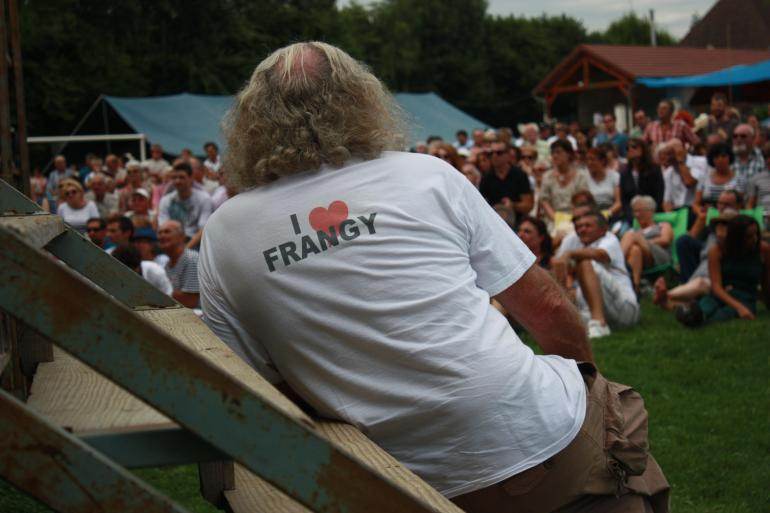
<point>144,382</point>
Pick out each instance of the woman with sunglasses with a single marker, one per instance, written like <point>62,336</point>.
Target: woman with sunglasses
<point>73,207</point>
<point>721,177</point>
<point>639,177</point>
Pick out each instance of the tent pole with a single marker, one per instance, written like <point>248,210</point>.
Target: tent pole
<point>75,130</point>
<point>142,148</point>
<point>6,147</point>
<point>18,80</point>
<point>106,127</point>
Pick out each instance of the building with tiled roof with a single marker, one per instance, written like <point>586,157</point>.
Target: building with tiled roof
<point>732,24</point>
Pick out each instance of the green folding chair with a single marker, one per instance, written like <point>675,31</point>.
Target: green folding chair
<point>678,221</point>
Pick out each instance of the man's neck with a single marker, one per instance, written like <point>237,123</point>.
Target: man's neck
<point>175,253</point>
<point>502,173</point>
<point>665,122</point>
<point>184,195</point>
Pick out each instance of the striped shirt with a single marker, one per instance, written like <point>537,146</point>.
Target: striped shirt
<point>755,164</point>
<point>184,275</point>
<point>655,133</point>
<point>711,190</point>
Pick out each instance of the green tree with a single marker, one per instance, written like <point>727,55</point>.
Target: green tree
<point>631,29</point>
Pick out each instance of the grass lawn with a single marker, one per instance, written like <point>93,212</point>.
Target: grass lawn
<point>708,394</point>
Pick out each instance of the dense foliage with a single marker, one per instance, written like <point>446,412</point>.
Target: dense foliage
<point>75,50</point>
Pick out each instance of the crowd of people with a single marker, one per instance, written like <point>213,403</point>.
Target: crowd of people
<point>149,215</point>
<point>584,201</point>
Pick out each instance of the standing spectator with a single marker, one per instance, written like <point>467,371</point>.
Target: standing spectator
<point>59,173</point>
<point>212,162</point>
<point>156,164</point>
<point>182,266</point>
<point>611,135</point>
<point>759,189</point>
<point>720,121</point>
<point>667,128</point>
<point>748,158</point>
<point>720,178</point>
<point>462,140</point>
<point>37,188</point>
<point>506,184</point>
<point>105,201</point>
<point>96,229</point>
<point>189,206</point>
<point>604,292</point>
<point>640,124</point>
<point>120,230</point>
<point>603,183</point>
<point>639,177</point>
<point>649,245</point>
<point>561,182</point>
<point>154,274</point>
<point>681,174</point>
<point>75,209</point>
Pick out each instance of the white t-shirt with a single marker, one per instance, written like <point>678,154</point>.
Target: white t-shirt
<point>192,212</point>
<point>367,289</point>
<point>676,192</point>
<point>77,218</point>
<point>156,276</point>
<point>604,191</point>
<point>609,243</point>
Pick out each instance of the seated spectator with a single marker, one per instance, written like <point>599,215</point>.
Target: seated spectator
<point>482,161</point>
<point>150,271</point>
<point>74,208</point>
<point>720,121</point>
<point>697,283</point>
<point>447,153</point>
<point>472,174</point>
<point>37,186</point>
<point>212,162</point>
<point>182,266</point>
<point>96,229</point>
<point>506,183</point>
<point>134,180</point>
<point>759,189</point>
<point>146,242</point>
<point>461,140</point>
<point>666,128</point>
<point>649,245</point>
<point>534,234</point>
<point>120,229</point>
<point>681,174</point>
<point>613,162</point>
<point>189,206</point>
<point>748,158</point>
<point>201,176</point>
<point>561,133</point>
<point>561,182</point>
<point>603,183</point>
<point>530,136</point>
<point>737,268</point>
<point>595,261</point>
<point>105,201</point>
<point>156,164</point>
<point>140,206</point>
<point>639,177</point>
<point>719,179</point>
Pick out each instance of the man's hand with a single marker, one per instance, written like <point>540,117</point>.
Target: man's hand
<point>541,306</point>
<point>745,313</point>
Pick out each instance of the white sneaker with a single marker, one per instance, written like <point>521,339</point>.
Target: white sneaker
<point>597,330</point>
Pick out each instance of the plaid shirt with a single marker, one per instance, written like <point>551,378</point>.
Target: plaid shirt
<point>655,133</point>
<point>754,165</point>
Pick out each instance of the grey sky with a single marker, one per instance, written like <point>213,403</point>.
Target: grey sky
<point>675,17</point>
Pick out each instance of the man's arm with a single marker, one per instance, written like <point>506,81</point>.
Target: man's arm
<point>525,204</point>
<point>541,306</point>
<point>195,240</point>
<point>597,254</point>
<point>188,299</point>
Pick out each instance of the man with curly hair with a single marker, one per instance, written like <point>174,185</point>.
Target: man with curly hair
<point>358,280</point>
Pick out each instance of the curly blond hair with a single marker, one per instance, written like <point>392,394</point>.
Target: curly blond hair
<point>306,105</point>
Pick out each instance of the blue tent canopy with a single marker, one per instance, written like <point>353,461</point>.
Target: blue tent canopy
<point>189,120</point>
<point>734,75</point>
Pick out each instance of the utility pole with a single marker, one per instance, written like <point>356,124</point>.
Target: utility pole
<point>653,36</point>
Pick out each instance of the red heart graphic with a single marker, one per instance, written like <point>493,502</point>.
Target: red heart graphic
<point>322,219</point>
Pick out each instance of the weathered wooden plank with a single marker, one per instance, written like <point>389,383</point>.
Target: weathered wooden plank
<point>216,478</point>
<point>63,472</point>
<point>37,230</point>
<point>253,429</point>
<point>253,494</point>
<point>13,201</point>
